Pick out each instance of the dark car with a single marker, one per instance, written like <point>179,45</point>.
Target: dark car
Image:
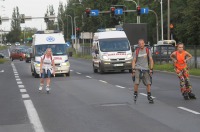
<point>28,55</point>
<point>1,55</point>
<point>17,54</point>
<point>162,52</point>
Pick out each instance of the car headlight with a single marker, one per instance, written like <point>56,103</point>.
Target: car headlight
<point>105,57</point>
<point>129,56</point>
<point>37,64</point>
<point>65,64</point>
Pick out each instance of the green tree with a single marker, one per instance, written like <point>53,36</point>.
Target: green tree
<point>14,34</point>
<point>50,24</point>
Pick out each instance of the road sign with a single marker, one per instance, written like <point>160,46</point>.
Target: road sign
<point>118,11</point>
<point>94,12</point>
<point>72,36</point>
<point>144,10</point>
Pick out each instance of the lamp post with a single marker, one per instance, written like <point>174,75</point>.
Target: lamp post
<point>161,4</point>
<point>168,21</point>
<point>138,17</point>
<point>71,23</point>
<point>75,32</point>
<point>156,23</point>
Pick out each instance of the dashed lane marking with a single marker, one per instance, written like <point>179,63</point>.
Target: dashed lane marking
<point>23,90</point>
<point>189,110</point>
<point>103,81</point>
<point>21,86</point>
<point>25,96</point>
<point>18,79</point>
<point>119,86</point>
<point>33,116</point>
<point>78,73</point>
<point>146,95</point>
<point>19,82</point>
<point>88,76</point>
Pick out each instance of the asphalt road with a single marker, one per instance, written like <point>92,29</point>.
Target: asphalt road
<point>89,102</point>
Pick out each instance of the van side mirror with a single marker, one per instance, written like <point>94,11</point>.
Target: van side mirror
<point>132,49</point>
<point>96,51</point>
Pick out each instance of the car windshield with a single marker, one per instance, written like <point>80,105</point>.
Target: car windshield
<point>107,45</point>
<point>57,49</point>
<point>167,48</point>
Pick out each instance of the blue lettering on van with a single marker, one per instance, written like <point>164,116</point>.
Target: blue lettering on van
<point>50,39</point>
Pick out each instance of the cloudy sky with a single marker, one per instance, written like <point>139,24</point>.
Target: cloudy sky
<point>34,8</point>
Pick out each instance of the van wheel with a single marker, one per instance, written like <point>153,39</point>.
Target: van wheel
<point>101,69</point>
<point>95,70</point>
<point>35,74</point>
<point>67,74</point>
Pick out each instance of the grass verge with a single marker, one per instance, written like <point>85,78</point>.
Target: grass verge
<point>2,61</point>
<point>170,68</point>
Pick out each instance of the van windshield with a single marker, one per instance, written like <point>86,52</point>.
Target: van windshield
<point>57,49</point>
<point>108,45</point>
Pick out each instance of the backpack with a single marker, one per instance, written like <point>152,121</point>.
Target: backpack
<point>137,52</point>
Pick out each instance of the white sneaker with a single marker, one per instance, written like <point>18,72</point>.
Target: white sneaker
<point>47,89</point>
<point>40,88</point>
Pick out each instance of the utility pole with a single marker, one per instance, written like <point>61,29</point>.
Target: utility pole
<point>168,21</point>
<point>161,3</point>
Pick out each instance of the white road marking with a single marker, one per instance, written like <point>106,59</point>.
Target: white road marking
<point>25,96</point>
<point>78,73</point>
<point>2,71</point>
<point>23,90</point>
<point>33,116</point>
<point>189,110</point>
<point>15,72</point>
<point>71,70</point>
<point>146,95</point>
<point>18,79</point>
<point>19,82</point>
<point>119,86</point>
<point>16,76</point>
<point>103,81</point>
<point>21,86</point>
<point>88,76</point>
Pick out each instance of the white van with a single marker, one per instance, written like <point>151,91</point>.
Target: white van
<point>111,51</point>
<point>56,42</point>
<point>171,42</point>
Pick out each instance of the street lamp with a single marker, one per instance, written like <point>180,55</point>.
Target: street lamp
<point>161,4</point>
<point>156,23</point>
<point>138,17</point>
<point>75,32</point>
<point>71,23</point>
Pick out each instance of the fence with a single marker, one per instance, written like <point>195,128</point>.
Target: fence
<point>163,56</point>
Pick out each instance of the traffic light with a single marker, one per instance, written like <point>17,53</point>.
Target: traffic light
<point>77,32</point>
<point>87,12</point>
<point>112,11</point>
<point>138,10</point>
<point>22,18</point>
<point>0,21</point>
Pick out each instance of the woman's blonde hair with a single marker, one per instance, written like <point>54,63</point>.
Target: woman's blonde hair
<point>47,50</point>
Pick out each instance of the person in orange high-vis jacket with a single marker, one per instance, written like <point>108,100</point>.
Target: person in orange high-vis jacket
<point>180,58</point>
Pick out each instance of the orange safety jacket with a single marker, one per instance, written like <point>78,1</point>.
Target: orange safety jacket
<point>180,57</point>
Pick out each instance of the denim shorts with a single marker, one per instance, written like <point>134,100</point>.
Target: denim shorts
<point>46,75</point>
